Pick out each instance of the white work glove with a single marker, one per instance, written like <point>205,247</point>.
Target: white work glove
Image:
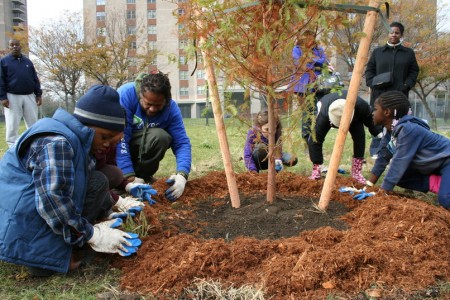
<point>178,183</point>
<point>278,165</point>
<point>137,180</point>
<point>110,240</point>
<point>129,204</point>
<point>113,223</point>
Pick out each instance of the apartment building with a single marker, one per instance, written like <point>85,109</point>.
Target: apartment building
<point>12,13</point>
<point>154,23</point>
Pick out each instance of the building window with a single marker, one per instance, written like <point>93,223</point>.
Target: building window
<point>199,59</point>
<point>182,60</point>
<point>184,91</point>
<point>180,12</point>
<point>201,90</point>
<point>151,1</point>
<point>151,45</point>
<point>151,29</point>
<point>101,2</point>
<point>151,14</point>
<point>101,31</point>
<point>133,45</point>
<point>131,14</point>
<point>182,44</point>
<point>101,16</point>
<point>200,74</point>
<point>184,75</point>
<point>131,30</point>
<point>131,1</point>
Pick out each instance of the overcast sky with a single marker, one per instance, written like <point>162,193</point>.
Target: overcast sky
<point>43,10</point>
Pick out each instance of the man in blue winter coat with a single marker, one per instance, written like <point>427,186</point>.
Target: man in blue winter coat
<point>52,196</point>
<point>154,124</point>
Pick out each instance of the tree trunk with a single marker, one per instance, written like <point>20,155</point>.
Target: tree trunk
<point>271,184</point>
<point>361,60</point>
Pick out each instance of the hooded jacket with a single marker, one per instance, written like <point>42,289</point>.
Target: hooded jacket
<point>415,146</point>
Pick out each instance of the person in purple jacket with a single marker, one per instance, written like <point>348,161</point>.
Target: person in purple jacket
<point>154,124</point>
<point>256,146</point>
<point>309,64</point>
<point>419,158</point>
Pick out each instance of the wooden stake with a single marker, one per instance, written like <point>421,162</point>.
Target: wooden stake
<point>361,60</point>
<point>220,126</point>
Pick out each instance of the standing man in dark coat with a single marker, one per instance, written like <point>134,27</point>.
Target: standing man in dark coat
<point>20,91</point>
<point>397,59</point>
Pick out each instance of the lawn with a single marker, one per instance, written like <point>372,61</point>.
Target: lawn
<point>97,280</point>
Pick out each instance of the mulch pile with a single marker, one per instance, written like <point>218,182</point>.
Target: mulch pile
<point>391,241</point>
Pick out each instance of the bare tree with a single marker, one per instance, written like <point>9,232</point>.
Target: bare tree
<point>56,46</point>
<point>115,55</point>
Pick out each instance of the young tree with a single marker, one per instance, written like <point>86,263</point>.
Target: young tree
<point>56,46</point>
<point>251,44</point>
<point>113,56</point>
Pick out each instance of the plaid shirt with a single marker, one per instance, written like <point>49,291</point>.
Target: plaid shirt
<point>49,158</point>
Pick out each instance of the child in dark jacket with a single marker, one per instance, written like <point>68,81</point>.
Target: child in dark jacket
<point>257,146</point>
<point>330,113</point>
<point>419,158</point>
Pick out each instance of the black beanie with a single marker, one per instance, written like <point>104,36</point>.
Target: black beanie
<point>100,107</point>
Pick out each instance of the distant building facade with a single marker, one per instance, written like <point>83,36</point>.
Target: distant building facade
<point>155,26</point>
<point>12,13</point>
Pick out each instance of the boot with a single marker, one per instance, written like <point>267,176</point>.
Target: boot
<point>315,172</point>
<point>356,170</point>
<point>435,183</point>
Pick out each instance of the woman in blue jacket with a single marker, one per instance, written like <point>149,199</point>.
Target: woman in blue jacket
<point>154,124</point>
<point>419,158</point>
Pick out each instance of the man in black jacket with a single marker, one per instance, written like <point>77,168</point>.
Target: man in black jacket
<point>20,91</point>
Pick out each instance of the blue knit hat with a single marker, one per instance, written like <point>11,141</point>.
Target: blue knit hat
<point>100,107</point>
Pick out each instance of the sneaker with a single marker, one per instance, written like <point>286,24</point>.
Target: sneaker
<point>374,157</point>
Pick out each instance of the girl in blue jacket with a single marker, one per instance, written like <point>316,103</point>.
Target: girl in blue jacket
<point>419,158</point>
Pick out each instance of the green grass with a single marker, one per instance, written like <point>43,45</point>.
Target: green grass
<point>97,279</point>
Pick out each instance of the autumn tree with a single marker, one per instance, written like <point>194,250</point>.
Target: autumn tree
<point>251,44</point>
<point>422,33</point>
<point>113,55</point>
<point>56,46</point>
<point>431,45</point>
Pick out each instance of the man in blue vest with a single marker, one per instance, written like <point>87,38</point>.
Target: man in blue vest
<point>51,194</point>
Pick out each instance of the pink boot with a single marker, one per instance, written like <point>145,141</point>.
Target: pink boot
<point>356,170</point>
<point>435,183</point>
<point>315,172</point>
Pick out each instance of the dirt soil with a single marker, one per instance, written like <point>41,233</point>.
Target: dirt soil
<point>388,245</point>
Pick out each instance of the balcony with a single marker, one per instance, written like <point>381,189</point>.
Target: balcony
<point>20,2</point>
<point>18,8</point>
<point>19,18</point>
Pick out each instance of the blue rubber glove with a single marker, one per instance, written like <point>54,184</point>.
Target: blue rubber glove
<point>132,244</point>
<point>278,165</point>
<point>123,214</point>
<point>363,195</point>
<point>350,190</point>
<point>341,171</point>
<point>141,191</point>
<point>113,223</point>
